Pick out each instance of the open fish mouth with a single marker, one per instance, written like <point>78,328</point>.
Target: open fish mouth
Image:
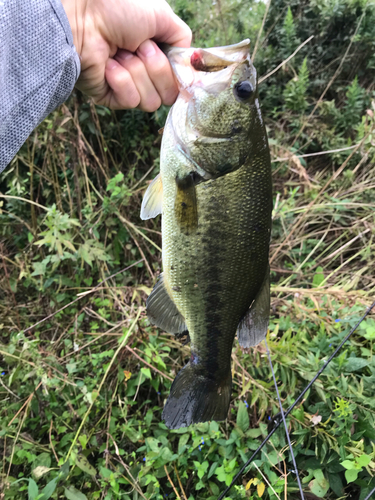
<point>208,60</point>
<point>188,63</point>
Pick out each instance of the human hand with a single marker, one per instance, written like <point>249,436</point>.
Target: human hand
<point>121,65</point>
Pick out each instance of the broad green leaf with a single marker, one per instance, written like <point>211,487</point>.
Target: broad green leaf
<point>335,484</point>
<point>348,464</point>
<point>242,417</point>
<point>72,493</point>
<point>49,489</point>
<point>363,460</point>
<point>351,475</point>
<point>318,276</point>
<point>32,490</point>
<point>319,486</point>
<point>182,443</point>
<point>212,469</point>
<point>354,364</point>
<point>146,372</point>
<point>199,485</point>
<point>83,440</point>
<point>202,469</point>
<point>153,444</point>
<point>214,488</point>
<point>64,471</point>
<point>84,465</point>
<point>220,473</point>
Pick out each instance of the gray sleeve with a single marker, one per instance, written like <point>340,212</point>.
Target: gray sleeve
<point>38,68</point>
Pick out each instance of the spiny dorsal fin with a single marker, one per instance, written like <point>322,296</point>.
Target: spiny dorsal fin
<point>153,199</point>
<point>185,205</point>
<point>253,327</point>
<point>162,311</point>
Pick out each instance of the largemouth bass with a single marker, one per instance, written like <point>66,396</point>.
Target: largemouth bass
<point>215,195</point>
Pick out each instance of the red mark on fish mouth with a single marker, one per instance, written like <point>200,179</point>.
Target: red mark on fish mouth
<point>196,60</point>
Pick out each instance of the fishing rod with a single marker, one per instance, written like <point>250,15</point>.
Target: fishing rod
<point>291,408</point>
<point>285,424</point>
<point>372,492</point>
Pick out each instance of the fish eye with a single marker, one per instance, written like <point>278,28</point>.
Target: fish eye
<point>244,90</point>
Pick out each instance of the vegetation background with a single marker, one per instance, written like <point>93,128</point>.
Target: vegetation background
<point>81,393</point>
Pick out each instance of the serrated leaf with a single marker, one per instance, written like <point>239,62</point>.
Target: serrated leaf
<point>32,490</point>
<point>243,421</point>
<point>69,245</point>
<point>72,493</point>
<point>84,465</point>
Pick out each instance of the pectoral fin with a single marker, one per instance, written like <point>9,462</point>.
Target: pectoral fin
<point>252,329</point>
<point>153,199</point>
<point>185,205</point>
<point>162,311</point>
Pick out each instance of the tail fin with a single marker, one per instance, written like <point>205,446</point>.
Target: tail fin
<point>195,397</point>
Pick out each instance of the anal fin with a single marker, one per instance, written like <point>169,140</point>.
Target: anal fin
<point>253,327</point>
<point>162,311</point>
<point>153,199</point>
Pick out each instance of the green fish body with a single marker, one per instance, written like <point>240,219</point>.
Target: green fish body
<point>215,195</point>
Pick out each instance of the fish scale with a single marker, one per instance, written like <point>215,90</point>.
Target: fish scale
<point>215,195</point>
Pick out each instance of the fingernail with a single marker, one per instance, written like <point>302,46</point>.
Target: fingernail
<point>111,64</point>
<point>147,49</point>
<point>124,54</point>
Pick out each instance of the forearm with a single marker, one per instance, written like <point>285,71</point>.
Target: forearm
<point>38,68</point>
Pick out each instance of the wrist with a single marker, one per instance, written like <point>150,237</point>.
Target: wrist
<point>76,12</point>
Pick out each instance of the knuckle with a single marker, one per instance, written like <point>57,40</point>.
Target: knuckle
<point>151,104</point>
<point>132,99</point>
<point>159,67</point>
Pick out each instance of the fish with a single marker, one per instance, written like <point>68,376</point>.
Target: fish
<point>214,193</point>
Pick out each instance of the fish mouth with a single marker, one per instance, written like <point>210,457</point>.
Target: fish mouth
<point>189,65</point>
<point>208,60</point>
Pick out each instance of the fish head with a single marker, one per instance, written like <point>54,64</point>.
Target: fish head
<point>216,118</point>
